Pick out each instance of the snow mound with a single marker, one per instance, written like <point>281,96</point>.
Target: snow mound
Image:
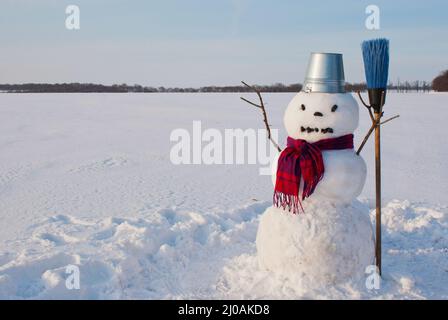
<point>327,245</point>
<point>175,254</point>
<point>165,254</point>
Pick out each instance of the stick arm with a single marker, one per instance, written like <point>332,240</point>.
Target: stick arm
<point>375,122</point>
<point>263,110</point>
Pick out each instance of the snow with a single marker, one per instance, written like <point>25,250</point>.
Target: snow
<point>85,179</point>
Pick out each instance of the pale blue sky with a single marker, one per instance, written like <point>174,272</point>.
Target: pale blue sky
<point>199,42</point>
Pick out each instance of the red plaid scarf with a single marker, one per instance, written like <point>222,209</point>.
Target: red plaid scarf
<point>303,161</point>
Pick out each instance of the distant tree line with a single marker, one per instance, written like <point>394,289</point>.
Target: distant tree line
<point>440,83</point>
<point>90,87</point>
<point>63,87</point>
<point>407,86</point>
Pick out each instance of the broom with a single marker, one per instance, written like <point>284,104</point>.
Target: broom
<point>376,66</point>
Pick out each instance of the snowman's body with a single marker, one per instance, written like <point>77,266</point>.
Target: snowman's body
<point>344,178</point>
<point>333,239</point>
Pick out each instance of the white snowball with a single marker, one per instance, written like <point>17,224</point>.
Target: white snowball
<point>342,121</point>
<point>326,245</point>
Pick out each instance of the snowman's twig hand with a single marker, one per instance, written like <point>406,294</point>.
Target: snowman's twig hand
<point>390,119</point>
<point>250,102</point>
<point>362,100</point>
<point>375,123</point>
<point>263,109</point>
<point>366,138</point>
<point>369,108</point>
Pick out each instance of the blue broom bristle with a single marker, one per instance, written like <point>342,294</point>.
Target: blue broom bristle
<point>376,62</point>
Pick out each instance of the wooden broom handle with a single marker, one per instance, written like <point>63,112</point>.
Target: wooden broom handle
<point>378,191</point>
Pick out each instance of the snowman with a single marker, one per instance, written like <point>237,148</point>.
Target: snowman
<point>316,229</point>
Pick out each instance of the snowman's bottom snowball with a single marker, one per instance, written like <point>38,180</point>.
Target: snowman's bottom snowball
<point>326,245</point>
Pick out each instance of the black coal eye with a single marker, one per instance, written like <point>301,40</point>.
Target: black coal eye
<point>334,108</point>
<point>302,107</point>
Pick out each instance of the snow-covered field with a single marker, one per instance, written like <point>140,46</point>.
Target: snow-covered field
<point>86,180</point>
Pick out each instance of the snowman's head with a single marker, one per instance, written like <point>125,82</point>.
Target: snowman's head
<point>316,116</point>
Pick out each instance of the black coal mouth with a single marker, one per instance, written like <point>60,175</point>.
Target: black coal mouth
<point>311,130</point>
